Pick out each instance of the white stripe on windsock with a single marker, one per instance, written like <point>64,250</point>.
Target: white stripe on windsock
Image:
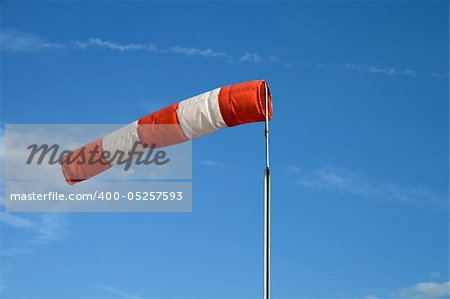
<point>122,140</point>
<point>200,115</point>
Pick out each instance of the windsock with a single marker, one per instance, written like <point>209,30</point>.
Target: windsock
<point>200,115</point>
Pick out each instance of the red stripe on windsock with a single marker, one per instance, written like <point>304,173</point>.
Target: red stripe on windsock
<point>151,133</point>
<point>84,162</point>
<point>244,103</point>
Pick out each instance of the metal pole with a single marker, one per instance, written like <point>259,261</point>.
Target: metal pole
<point>267,203</point>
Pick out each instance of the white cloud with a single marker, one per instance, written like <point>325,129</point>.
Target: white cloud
<point>11,40</point>
<point>15,220</point>
<point>278,60</point>
<point>16,41</point>
<point>423,290</point>
<point>116,292</point>
<point>250,57</point>
<point>51,227</point>
<point>333,179</point>
<point>426,290</point>
<point>439,76</point>
<point>389,71</point>
<point>211,163</point>
<point>15,252</point>
<point>45,229</point>
<point>190,51</point>
<point>370,69</point>
<point>30,232</point>
<point>102,44</point>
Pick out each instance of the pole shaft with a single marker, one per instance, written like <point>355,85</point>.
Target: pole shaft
<point>267,233</point>
<point>267,203</point>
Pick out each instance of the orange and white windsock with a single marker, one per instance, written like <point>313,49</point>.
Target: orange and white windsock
<point>200,115</point>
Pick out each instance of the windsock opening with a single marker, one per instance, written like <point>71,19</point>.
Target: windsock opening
<point>244,102</point>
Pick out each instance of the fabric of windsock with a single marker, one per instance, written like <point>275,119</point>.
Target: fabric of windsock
<point>197,116</point>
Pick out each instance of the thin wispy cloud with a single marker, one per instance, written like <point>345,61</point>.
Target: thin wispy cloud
<point>97,43</point>
<point>102,44</point>
<point>211,163</point>
<point>30,231</point>
<point>423,290</point>
<point>16,41</point>
<point>251,57</point>
<point>50,228</point>
<point>337,180</point>
<point>439,76</point>
<point>11,40</point>
<point>190,51</point>
<point>367,69</point>
<point>116,292</point>
<point>15,220</point>
<point>389,71</point>
<point>5,273</point>
<point>426,290</point>
<point>37,231</point>
<point>278,60</point>
<point>29,234</point>
<point>15,252</point>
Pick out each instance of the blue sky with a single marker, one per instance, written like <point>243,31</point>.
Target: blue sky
<point>359,148</point>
